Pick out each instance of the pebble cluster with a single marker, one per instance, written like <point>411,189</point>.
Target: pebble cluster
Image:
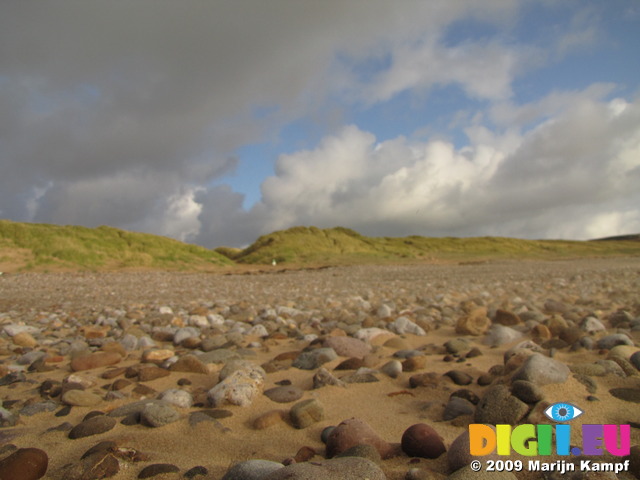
<point>85,354</point>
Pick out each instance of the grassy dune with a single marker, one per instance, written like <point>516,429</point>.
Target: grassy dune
<point>30,246</point>
<point>340,245</point>
<point>40,247</point>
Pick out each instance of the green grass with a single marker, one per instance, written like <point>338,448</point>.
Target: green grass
<point>340,245</point>
<point>74,247</point>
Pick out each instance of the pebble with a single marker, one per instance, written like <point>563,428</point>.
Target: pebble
<point>314,359</point>
<point>190,364</point>
<point>80,398</point>
<point>158,414</point>
<point>284,394</point>
<point>392,368</point>
<point>498,406</point>
<point>252,470</point>
<point>195,471</point>
<point>421,440</point>
<point>177,397</point>
<point>157,469</point>
<point>627,394</point>
<point>542,370</point>
<point>353,432</point>
<point>456,407</point>
<point>474,323</point>
<point>307,412</point>
<point>610,341</point>
<point>458,377</point>
<point>347,346</point>
<point>94,360</point>
<point>324,377</point>
<point>92,426</point>
<point>499,335</point>
<point>240,388</point>
<point>527,391</point>
<point>402,326</point>
<point>24,464</point>
<point>635,359</point>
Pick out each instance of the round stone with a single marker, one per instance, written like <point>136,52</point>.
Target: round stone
<point>421,440</point>
<point>92,426</point>
<point>284,394</point>
<point>24,464</point>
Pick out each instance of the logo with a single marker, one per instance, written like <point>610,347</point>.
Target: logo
<point>530,439</point>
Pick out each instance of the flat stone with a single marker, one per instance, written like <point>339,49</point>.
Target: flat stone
<point>177,397</point>
<point>92,426</point>
<point>284,394</point>
<point>189,363</point>
<point>24,464</point>
<point>627,394</point>
<point>456,407</point>
<point>348,346</point>
<point>346,468</point>
<point>157,415</point>
<point>80,398</point>
<point>157,469</point>
<point>252,470</point>
<point>542,370</point>
<point>94,360</point>
<point>314,358</point>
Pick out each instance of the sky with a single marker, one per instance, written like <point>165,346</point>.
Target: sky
<point>217,122</point>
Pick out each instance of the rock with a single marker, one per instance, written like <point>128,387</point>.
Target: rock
<point>542,370</point>
<point>626,394</point>
<point>413,364</point>
<point>505,317</point>
<point>421,440</point>
<point>157,356</point>
<point>146,373</point>
<point>246,366</point>
<point>196,471</point>
<point>269,419</point>
<point>591,325</point>
<point>306,413</point>
<point>346,468</point>
<point>284,394</point>
<point>179,398</point>
<point>352,363</point>
<point>239,388</point>
<point>252,470</point>
<point>426,379</point>
<point>457,407</point>
<point>354,432</point>
<point>368,334</point>
<point>323,378</point>
<point>457,345</point>
<point>475,323</point>
<point>635,359</point>
<point>24,464</point>
<point>157,469</point>
<point>610,341</point>
<point>314,359</point>
<point>98,464</point>
<point>392,368</point>
<point>402,326</point>
<point>384,311</point>
<point>24,339</point>
<point>347,346</point>
<point>363,450</point>
<point>94,360</point>
<point>134,408</point>
<point>459,377</point>
<point>526,391</point>
<point>189,363</point>
<point>158,414</point>
<point>92,426</point>
<point>80,398</point>
<point>498,406</point>
<point>218,355</point>
<point>499,335</point>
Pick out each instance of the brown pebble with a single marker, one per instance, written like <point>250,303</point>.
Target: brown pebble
<point>24,464</point>
<point>157,469</point>
<point>189,363</point>
<point>421,440</point>
<point>413,364</point>
<point>94,360</point>
<point>304,454</point>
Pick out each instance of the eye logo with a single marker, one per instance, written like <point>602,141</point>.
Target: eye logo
<point>562,412</point>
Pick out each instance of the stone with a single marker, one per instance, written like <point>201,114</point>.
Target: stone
<point>240,388</point>
<point>499,335</point>
<point>314,358</point>
<point>323,377</point>
<point>363,450</point>
<point>98,464</point>
<point>24,464</point>
<point>542,370</point>
<point>413,364</point>
<point>402,326</point>
<point>196,471</point>
<point>610,341</point>
<point>591,325</point>
<point>158,414</point>
<point>346,468</point>
<point>459,377</point>
<point>307,412</point>
<point>157,356</point>
<point>457,345</point>
<point>527,391</point>
<point>250,368</point>
<point>635,359</point>
<point>190,364</point>
<point>80,398</point>
<point>347,346</point>
<point>284,394</point>
<point>177,397</point>
<point>392,368</point>
<point>252,470</point>
<point>426,379</point>
<point>147,373</point>
<point>24,339</point>
<point>505,317</point>
<point>269,419</point>
<point>157,469</point>
<point>220,355</point>
<point>498,406</point>
<point>421,440</point>
<point>352,363</point>
<point>92,426</point>
<point>353,432</point>
<point>627,394</point>
<point>456,407</point>
<point>94,360</point>
<point>475,323</point>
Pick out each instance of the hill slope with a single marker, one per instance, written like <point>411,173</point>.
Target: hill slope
<point>27,246</point>
<point>340,245</point>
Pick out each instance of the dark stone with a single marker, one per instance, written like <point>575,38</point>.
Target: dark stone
<point>626,394</point>
<point>420,440</point>
<point>157,469</point>
<point>195,471</point>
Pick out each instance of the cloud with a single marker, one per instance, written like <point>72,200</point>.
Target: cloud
<point>573,176</point>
